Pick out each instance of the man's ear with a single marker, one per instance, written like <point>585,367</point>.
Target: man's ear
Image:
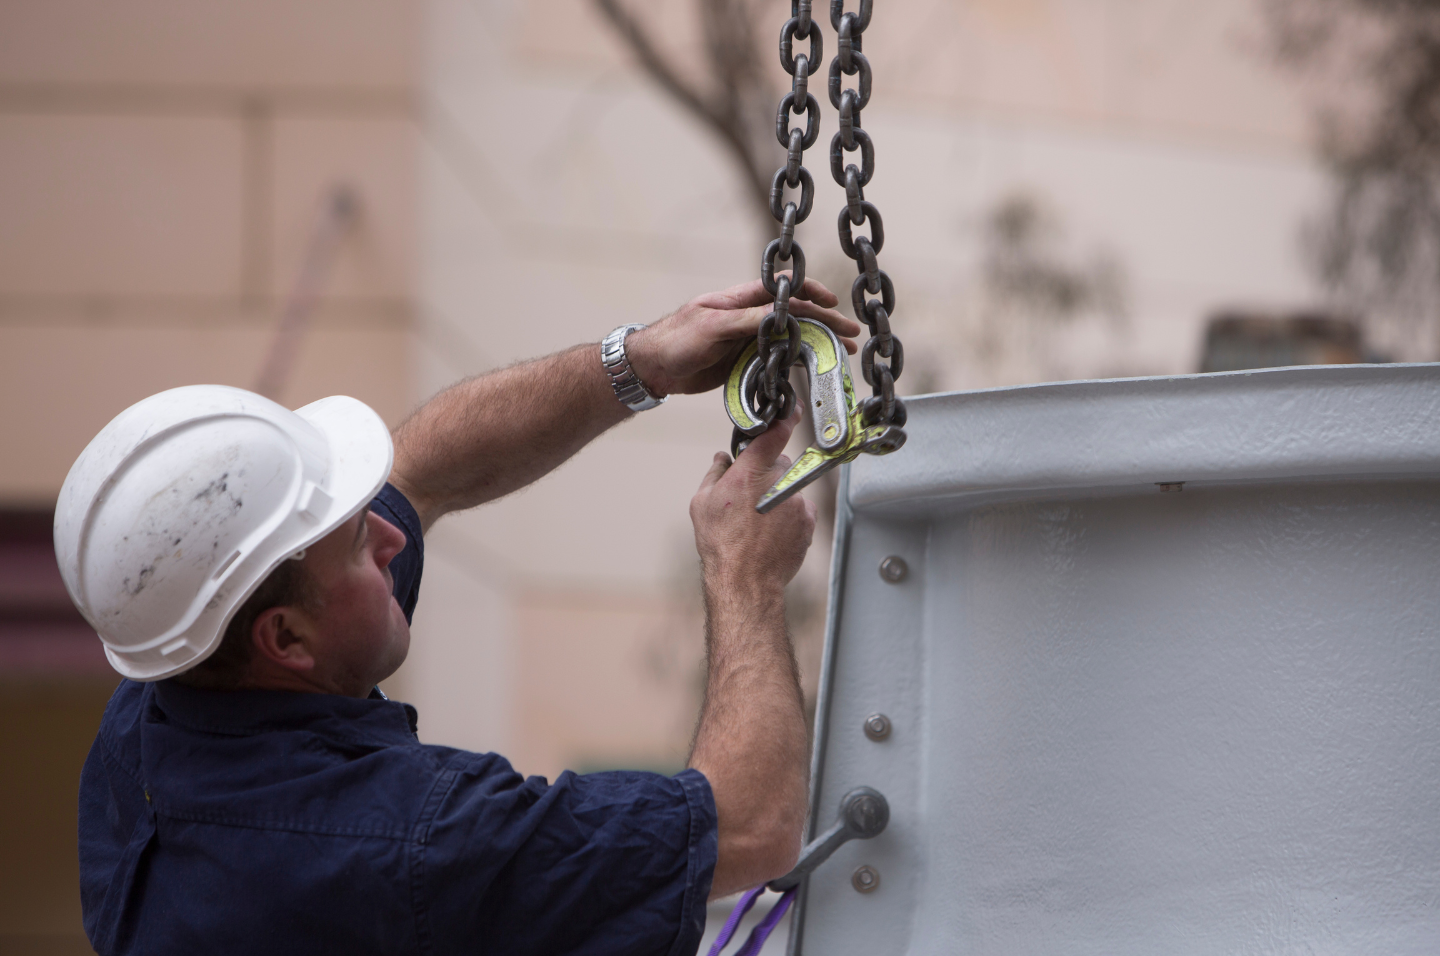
<point>282,636</point>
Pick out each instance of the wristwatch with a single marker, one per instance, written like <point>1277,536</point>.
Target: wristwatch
<point>631,392</point>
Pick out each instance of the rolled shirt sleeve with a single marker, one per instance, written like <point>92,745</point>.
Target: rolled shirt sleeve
<point>601,863</point>
<point>407,567</point>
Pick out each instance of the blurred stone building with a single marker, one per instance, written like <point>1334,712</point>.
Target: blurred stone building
<point>165,169</point>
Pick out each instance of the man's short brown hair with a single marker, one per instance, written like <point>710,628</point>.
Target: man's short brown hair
<point>289,585</point>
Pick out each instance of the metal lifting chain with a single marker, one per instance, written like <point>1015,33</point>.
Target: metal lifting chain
<point>778,341</point>
<point>883,407</point>
<point>779,336</point>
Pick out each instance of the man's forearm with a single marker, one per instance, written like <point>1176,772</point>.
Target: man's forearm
<point>494,434</point>
<point>751,742</point>
<point>491,435</point>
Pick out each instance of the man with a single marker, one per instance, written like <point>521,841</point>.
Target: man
<point>254,572</point>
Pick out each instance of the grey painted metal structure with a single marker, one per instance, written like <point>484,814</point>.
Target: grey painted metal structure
<point>1123,718</point>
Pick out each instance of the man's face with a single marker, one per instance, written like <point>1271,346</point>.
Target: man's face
<point>359,634</point>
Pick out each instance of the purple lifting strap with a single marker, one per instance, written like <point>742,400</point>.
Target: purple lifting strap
<point>762,930</point>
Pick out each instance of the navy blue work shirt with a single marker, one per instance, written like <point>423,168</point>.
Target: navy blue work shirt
<point>276,822</point>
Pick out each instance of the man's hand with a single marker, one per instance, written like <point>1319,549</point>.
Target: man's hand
<point>692,349</point>
<point>738,547</point>
<point>750,743</point>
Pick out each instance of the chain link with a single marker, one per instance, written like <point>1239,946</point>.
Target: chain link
<point>778,340</point>
<point>883,357</point>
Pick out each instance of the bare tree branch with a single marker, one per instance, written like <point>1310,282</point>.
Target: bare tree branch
<point>730,109</point>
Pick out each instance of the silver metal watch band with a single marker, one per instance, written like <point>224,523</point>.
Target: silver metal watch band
<point>631,392</point>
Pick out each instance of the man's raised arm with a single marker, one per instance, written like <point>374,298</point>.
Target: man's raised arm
<point>494,434</point>
<point>750,742</point>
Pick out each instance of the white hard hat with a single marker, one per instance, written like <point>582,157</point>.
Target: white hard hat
<point>182,506</point>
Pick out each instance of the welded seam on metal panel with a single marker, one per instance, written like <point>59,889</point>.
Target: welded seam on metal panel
<point>838,560</point>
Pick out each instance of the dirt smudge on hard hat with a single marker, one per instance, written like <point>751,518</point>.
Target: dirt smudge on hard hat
<point>210,509</point>
<point>214,488</point>
<point>140,579</point>
<point>220,486</point>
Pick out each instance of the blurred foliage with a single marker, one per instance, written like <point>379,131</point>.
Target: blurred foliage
<point>1373,69</point>
<point>1035,282</point>
<point>1026,270</point>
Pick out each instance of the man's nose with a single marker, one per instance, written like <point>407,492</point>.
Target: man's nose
<point>389,539</point>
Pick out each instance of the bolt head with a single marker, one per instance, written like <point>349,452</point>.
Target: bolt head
<point>877,726</point>
<point>894,569</point>
<point>865,879</point>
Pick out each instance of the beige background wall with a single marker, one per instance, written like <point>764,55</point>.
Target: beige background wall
<point>164,166</point>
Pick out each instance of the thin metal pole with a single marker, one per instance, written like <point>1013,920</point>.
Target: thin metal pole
<point>336,216</point>
<point>838,559</point>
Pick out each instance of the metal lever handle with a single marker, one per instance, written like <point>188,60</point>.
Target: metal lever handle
<point>863,814</point>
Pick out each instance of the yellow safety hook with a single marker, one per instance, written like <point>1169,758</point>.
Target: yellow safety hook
<point>839,431</point>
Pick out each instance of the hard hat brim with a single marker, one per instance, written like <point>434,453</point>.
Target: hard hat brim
<point>361,451</point>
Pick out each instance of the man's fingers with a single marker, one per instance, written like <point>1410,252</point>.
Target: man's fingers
<point>817,293</point>
<point>748,303</point>
<point>718,467</point>
<point>753,293</point>
<point>760,455</point>
<point>782,465</point>
<point>742,296</point>
<point>744,323</point>
<point>847,329</point>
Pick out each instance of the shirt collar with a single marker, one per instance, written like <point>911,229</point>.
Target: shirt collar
<point>243,712</point>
